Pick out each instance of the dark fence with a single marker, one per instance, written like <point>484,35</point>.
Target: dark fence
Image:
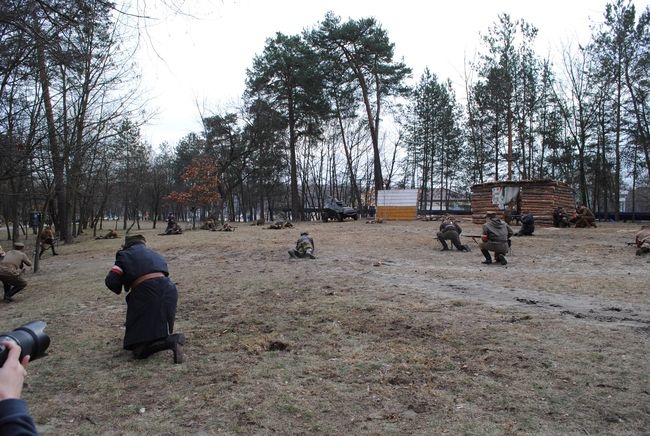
<point>623,216</point>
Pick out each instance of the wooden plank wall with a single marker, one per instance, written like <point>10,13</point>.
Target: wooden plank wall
<point>537,197</point>
<point>397,213</point>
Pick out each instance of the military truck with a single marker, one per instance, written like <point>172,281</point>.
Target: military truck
<point>336,209</point>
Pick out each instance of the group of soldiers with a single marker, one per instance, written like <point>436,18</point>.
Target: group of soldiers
<point>582,217</point>
<point>495,238</point>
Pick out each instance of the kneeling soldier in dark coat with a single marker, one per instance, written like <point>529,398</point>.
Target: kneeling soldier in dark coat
<point>527,225</point>
<point>151,299</point>
<point>449,229</point>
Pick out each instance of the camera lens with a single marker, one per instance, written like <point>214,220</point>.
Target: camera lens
<point>32,339</point>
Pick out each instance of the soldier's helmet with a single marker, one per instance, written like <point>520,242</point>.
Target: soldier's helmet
<point>304,234</point>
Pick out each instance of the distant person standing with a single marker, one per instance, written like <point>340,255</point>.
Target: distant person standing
<point>151,299</point>
<point>47,240</point>
<point>11,270</point>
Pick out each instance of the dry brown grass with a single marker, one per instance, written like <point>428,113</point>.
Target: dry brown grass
<point>382,334</point>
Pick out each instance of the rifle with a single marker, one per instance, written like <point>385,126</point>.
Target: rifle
<point>480,237</point>
<point>474,237</point>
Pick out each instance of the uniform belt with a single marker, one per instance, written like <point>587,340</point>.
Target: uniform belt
<point>141,279</point>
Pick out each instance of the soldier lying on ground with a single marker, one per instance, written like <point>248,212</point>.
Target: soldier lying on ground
<point>281,225</point>
<point>226,228</point>
<point>304,247</point>
<point>112,234</point>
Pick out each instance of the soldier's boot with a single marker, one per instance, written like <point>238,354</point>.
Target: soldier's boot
<point>445,247</point>
<point>465,248</point>
<point>310,255</point>
<point>7,297</point>
<point>176,342</point>
<point>172,342</point>
<point>488,258</point>
<point>292,253</point>
<point>501,258</point>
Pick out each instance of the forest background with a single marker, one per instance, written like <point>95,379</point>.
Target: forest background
<point>312,120</point>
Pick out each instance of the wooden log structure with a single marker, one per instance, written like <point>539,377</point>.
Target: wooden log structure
<point>538,197</point>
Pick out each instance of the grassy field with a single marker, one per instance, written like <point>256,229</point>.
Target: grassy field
<point>381,334</point>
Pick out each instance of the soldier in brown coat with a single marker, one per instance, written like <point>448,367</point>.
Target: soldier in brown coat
<point>47,239</point>
<point>642,240</point>
<point>584,217</point>
<point>11,269</point>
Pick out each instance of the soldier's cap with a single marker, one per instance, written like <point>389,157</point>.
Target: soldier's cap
<point>132,239</point>
<point>304,233</point>
<point>490,214</point>
<point>19,245</point>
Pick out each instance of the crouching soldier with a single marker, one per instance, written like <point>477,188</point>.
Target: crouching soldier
<point>642,240</point>
<point>304,247</point>
<point>450,230</point>
<point>151,299</point>
<point>12,267</point>
<point>527,225</point>
<point>495,237</point>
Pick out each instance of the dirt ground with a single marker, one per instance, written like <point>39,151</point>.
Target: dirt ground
<point>381,334</point>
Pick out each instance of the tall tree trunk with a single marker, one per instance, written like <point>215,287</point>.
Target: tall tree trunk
<point>58,161</point>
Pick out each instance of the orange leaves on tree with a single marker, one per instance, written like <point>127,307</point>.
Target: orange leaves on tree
<point>202,181</point>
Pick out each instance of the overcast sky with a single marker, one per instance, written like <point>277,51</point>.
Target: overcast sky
<point>201,61</point>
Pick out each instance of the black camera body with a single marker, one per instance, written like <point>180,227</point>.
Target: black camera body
<point>32,339</point>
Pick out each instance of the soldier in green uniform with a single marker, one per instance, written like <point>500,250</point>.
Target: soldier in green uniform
<point>304,247</point>
<point>450,230</point>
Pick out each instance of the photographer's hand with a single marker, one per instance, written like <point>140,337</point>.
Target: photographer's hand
<point>12,373</point>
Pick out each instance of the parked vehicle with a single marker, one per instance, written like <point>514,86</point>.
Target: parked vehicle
<point>336,209</point>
